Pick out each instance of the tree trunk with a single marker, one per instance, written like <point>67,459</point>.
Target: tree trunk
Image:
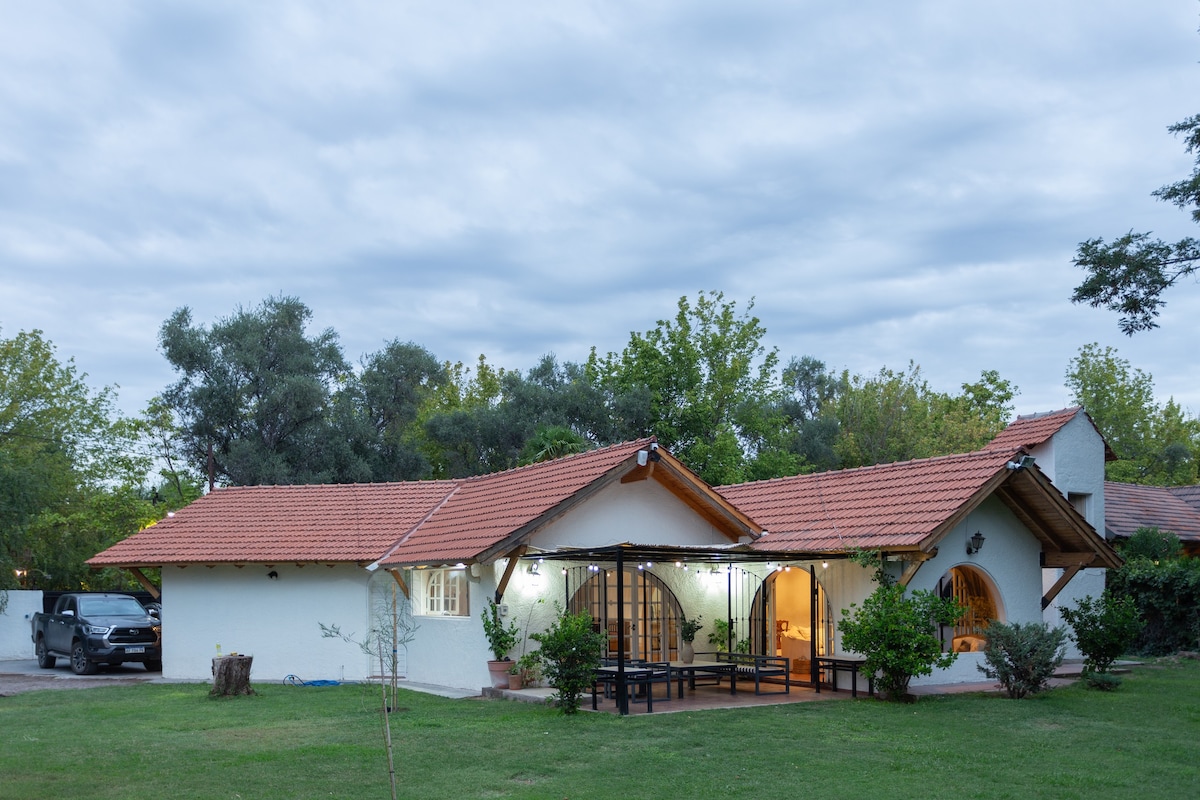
<point>231,676</point>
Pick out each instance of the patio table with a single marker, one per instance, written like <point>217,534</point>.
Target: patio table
<point>635,675</point>
<point>689,670</point>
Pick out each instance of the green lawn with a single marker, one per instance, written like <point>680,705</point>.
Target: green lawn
<point>172,741</point>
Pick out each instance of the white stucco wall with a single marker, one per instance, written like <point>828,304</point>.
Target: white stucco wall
<point>452,651</point>
<point>1010,559</point>
<point>15,640</point>
<point>276,621</point>
<point>1073,459</point>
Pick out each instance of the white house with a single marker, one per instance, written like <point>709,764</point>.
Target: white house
<point>1071,452</point>
<point>626,532</point>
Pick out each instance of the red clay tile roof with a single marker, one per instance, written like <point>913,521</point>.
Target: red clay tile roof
<point>1128,507</point>
<point>444,521</point>
<point>265,524</point>
<point>485,511</point>
<point>888,505</point>
<point>1031,430</point>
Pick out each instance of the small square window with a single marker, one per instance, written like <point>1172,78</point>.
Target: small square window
<point>444,593</point>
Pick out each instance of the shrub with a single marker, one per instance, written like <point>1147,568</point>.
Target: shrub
<point>1104,681</point>
<point>1167,596</point>
<point>1022,658</point>
<point>1104,629</point>
<point>571,652</point>
<point>1152,543</point>
<point>897,635</point>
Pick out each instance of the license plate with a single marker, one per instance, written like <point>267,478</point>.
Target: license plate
<point>135,650</point>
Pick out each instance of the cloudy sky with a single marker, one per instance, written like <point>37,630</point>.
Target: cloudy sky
<point>887,181</point>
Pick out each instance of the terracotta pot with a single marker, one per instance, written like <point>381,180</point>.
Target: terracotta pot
<point>498,672</point>
<point>516,681</point>
<point>687,653</point>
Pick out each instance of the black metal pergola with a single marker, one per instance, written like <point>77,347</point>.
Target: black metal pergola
<point>625,553</point>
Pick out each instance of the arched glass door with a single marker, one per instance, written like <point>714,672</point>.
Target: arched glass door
<point>651,613</point>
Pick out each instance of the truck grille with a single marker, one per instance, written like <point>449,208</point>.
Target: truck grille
<point>131,635</point>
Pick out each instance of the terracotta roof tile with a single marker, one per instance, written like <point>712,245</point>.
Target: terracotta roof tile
<point>448,521</point>
<point>1031,430</point>
<point>1128,507</point>
<point>888,505</point>
<point>483,512</point>
<point>340,522</point>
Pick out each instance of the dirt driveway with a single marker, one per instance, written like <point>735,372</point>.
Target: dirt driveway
<point>25,676</point>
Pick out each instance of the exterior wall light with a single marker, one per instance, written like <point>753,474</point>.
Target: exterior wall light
<point>975,544</point>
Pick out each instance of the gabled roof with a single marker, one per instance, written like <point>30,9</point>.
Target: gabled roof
<point>1128,506</point>
<point>1188,494</point>
<point>279,524</point>
<point>1032,430</point>
<point>911,506</point>
<point>418,522</point>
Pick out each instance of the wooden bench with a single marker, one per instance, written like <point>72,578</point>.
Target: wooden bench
<point>760,667</point>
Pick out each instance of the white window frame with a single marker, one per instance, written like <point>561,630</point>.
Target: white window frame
<point>444,593</point>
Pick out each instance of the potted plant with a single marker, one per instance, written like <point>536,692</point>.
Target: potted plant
<point>516,676</point>
<point>531,667</point>
<point>501,639</point>
<point>687,632</point>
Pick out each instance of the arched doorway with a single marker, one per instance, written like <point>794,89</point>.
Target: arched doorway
<point>651,614</point>
<point>799,618</point>
<point>972,588</point>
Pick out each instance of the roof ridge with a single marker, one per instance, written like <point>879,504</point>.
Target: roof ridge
<point>595,451</point>
<point>981,453</point>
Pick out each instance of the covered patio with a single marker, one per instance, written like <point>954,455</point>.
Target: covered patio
<point>747,670</point>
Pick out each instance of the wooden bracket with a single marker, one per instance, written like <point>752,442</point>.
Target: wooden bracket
<point>145,582</point>
<point>400,582</point>
<point>508,571</point>
<point>1060,584</point>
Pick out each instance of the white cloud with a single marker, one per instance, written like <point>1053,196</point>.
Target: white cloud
<point>891,182</point>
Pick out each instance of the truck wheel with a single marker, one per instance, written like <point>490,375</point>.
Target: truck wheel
<point>45,660</point>
<point>154,666</point>
<point>79,661</point>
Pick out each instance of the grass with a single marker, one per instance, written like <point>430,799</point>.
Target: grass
<point>162,740</point>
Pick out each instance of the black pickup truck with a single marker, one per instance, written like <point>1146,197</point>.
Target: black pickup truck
<point>95,629</point>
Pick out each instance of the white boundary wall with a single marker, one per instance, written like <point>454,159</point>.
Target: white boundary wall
<point>274,620</point>
<point>15,641</point>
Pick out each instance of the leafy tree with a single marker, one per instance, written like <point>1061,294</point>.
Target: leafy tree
<point>1022,658</point>
<point>710,383</point>
<point>1152,544</point>
<point>1130,274</point>
<point>897,632</point>
<point>387,398</point>
<point>1103,629</point>
<point>1153,445</point>
<point>70,468</point>
<point>258,390</point>
<point>553,441</point>
<point>897,416</point>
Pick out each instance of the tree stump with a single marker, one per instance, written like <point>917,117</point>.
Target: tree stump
<point>231,676</point>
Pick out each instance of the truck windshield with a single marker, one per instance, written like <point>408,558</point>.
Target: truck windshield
<point>110,607</point>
